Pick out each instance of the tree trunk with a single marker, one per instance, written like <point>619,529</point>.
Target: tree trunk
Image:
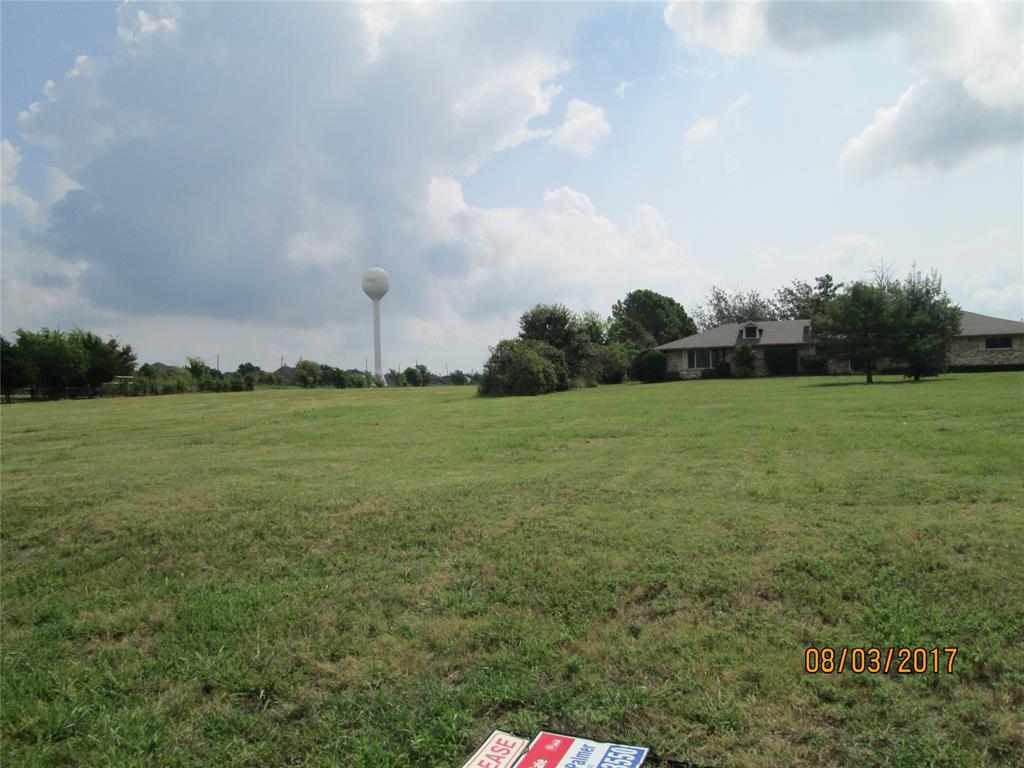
<point>867,370</point>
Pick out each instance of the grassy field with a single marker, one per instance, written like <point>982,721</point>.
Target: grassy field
<point>379,578</point>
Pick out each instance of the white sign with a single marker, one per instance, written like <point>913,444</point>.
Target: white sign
<point>499,751</point>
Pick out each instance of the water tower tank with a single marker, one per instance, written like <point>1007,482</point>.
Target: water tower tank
<point>375,283</point>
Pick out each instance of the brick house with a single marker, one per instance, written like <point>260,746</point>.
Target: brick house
<point>983,341</point>
<point>987,342</point>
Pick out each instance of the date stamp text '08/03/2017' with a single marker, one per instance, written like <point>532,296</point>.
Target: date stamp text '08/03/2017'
<point>864,660</point>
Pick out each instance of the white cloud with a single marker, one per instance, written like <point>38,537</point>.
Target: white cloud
<point>520,256</point>
<point>584,128</point>
<point>934,124</point>
<point>731,28</point>
<point>10,193</point>
<point>379,20</point>
<point>513,95</point>
<point>970,57</point>
<point>135,25</point>
<point>701,132</point>
<point>58,185</point>
<point>623,87</point>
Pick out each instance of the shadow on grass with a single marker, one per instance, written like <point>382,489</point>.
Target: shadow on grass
<point>858,382</point>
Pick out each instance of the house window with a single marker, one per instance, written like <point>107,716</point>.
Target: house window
<point>750,332</point>
<point>699,358</point>
<point>998,342</point>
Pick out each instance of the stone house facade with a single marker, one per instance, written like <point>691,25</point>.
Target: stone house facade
<point>987,342</point>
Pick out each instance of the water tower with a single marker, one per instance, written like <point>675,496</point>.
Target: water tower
<point>375,285</point>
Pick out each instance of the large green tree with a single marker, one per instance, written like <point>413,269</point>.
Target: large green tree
<point>559,327</point>
<point>929,320</point>
<point>800,299</point>
<point>861,325</point>
<point>103,359</point>
<point>59,359</point>
<point>646,319</point>
<point>307,373</point>
<point>722,307</point>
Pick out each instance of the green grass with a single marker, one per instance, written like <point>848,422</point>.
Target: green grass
<point>379,578</point>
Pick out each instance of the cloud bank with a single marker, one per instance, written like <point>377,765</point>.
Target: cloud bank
<point>970,56</point>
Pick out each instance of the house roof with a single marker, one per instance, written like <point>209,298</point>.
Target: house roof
<point>973,324</point>
<point>731,334</point>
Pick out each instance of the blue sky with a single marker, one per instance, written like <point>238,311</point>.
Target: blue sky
<point>214,178</point>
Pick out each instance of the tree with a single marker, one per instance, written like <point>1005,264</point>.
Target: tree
<point>198,368</point>
<point>802,300</point>
<point>559,327</point>
<point>57,359</point>
<point>646,319</point>
<point>518,367</point>
<point>611,363</point>
<point>247,368</point>
<point>424,374</point>
<point>104,359</point>
<point>307,373</point>
<point>929,320</point>
<point>594,327</point>
<point>458,377</point>
<point>739,307</point>
<point>412,377</point>
<point>861,325</point>
<point>18,369</point>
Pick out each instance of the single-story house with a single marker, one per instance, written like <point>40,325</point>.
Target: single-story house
<point>983,342</point>
<point>987,342</point>
<point>691,356</point>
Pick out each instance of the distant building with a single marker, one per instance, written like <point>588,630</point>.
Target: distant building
<point>984,343</point>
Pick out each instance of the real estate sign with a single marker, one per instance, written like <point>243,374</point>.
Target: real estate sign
<point>500,750</point>
<point>555,750</point>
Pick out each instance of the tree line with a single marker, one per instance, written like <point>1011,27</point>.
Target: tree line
<point>52,363</point>
<point>908,323</point>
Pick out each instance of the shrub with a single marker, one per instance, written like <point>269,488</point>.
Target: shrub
<point>651,366</point>
<point>556,358</point>
<point>237,385</point>
<point>744,358</point>
<point>610,363</point>
<point>518,367</point>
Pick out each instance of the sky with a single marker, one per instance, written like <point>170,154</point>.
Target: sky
<point>212,179</point>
